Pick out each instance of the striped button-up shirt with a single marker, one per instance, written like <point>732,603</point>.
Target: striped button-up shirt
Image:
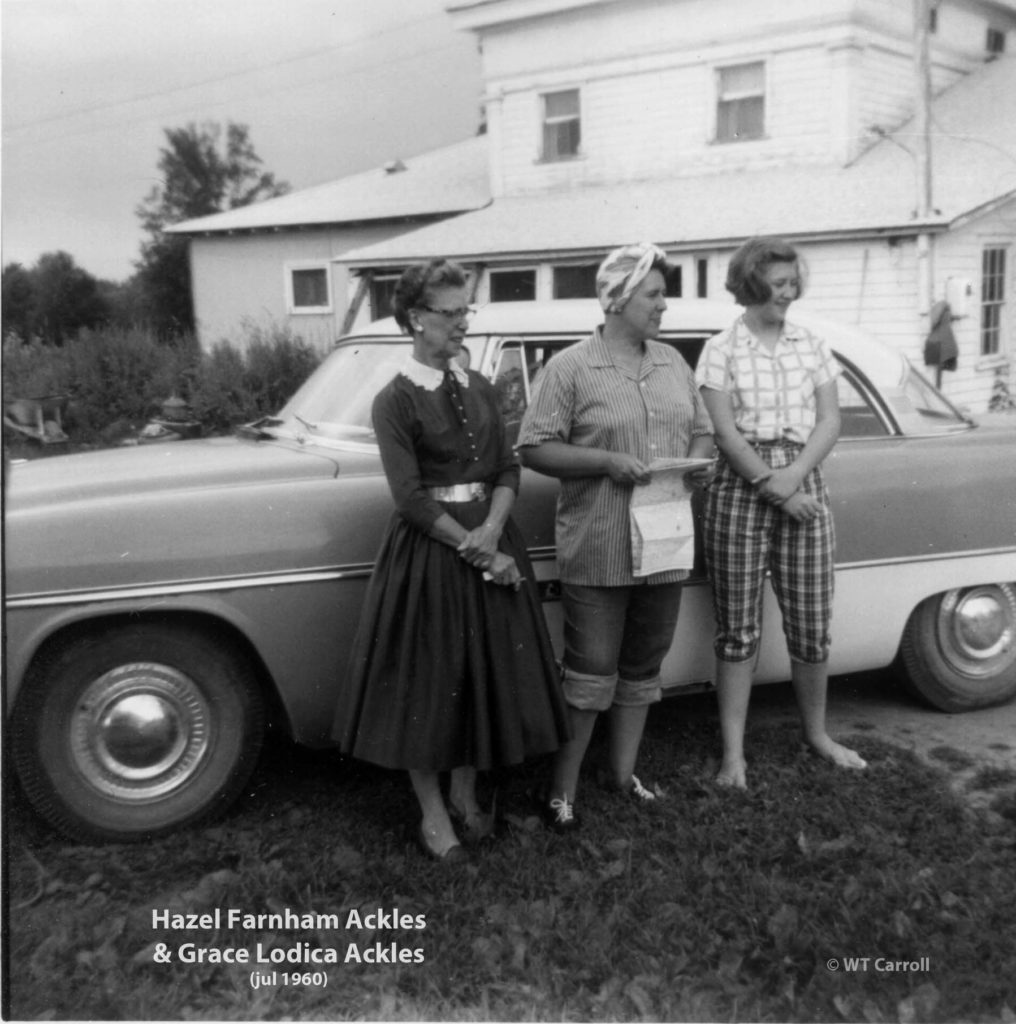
<point>584,399</point>
<point>773,392</point>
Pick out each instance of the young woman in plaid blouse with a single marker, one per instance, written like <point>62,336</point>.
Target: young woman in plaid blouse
<point>770,388</point>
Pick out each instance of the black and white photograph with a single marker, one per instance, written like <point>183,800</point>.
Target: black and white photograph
<point>509,510</point>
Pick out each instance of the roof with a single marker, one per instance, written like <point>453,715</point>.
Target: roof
<point>443,181</point>
<point>973,161</point>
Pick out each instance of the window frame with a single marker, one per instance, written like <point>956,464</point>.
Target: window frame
<point>296,266</point>
<point>548,122</point>
<point>992,306</point>
<point>721,98</point>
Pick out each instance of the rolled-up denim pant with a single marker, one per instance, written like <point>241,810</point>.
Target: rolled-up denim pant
<point>615,640</point>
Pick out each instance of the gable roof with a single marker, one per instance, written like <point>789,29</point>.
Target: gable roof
<point>973,163</point>
<point>443,181</point>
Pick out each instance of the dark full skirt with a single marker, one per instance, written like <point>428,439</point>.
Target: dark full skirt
<point>449,669</point>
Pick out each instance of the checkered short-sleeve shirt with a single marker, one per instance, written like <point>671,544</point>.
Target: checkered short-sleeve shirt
<point>773,392</point>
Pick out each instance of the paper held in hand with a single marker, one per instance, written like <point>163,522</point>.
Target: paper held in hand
<point>662,527</point>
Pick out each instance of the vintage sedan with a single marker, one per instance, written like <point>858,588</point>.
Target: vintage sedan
<point>166,604</point>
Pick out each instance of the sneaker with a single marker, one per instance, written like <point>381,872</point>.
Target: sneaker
<point>638,793</point>
<point>558,814</point>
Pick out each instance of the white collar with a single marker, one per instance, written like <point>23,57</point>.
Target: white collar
<point>430,377</point>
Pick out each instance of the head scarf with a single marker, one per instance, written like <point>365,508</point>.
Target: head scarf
<point>623,271</point>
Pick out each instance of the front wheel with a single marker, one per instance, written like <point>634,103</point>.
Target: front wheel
<point>959,648</point>
<point>137,730</point>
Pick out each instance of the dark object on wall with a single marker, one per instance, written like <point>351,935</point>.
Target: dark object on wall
<point>940,349</point>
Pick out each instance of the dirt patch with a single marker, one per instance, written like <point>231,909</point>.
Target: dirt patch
<point>976,749</point>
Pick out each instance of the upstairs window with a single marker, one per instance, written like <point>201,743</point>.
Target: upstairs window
<point>561,125</point>
<point>995,43</point>
<point>741,103</point>
<point>308,290</point>
<point>992,299</point>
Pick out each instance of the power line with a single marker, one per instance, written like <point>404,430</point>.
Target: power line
<point>254,69</point>
<point>335,75</point>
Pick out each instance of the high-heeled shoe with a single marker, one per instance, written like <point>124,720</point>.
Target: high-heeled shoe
<point>455,854</point>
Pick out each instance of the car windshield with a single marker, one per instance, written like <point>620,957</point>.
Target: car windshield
<point>920,408</point>
<point>335,401</point>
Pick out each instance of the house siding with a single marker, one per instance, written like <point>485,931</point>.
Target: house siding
<point>239,281</point>
<point>646,72</point>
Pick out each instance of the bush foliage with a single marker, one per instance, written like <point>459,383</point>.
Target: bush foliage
<point>119,378</point>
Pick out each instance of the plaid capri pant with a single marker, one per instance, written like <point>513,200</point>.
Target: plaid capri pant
<point>743,537</point>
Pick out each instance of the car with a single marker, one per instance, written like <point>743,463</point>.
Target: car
<point>166,604</point>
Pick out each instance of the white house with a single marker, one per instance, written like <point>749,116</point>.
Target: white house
<point>696,123</point>
<point>273,262</point>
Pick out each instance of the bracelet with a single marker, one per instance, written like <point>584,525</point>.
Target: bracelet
<point>759,479</point>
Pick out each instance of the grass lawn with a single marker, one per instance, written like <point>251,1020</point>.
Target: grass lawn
<point>715,906</point>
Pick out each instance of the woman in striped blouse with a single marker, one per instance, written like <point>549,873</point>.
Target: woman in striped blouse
<point>770,388</point>
<point>601,411</point>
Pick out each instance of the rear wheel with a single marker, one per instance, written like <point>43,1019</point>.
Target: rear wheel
<point>136,731</point>
<point>959,647</point>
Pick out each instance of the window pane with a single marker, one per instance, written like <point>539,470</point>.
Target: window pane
<point>992,299</point>
<point>740,119</point>
<point>743,80</point>
<point>310,288</point>
<point>512,285</point>
<point>561,104</point>
<point>561,124</point>
<point>575,282</point>
<point>509,383</point>
<point>382,291</point>
<point>857,417</point>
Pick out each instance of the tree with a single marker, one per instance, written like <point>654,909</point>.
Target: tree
<point>202,174</point>
<point>53,300</point>
<point>18,301</point>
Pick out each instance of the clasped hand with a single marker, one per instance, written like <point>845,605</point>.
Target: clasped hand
<point>479,546</point>
<point>782,488</point>
<point>504,572</point>
<point>479,549</point>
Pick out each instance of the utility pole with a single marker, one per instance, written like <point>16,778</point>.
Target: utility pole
<point>922,122</point>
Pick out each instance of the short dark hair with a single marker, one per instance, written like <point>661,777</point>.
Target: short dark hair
<point>413,286</point>
<point>746,272</point>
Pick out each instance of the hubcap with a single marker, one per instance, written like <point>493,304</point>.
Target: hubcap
<point>977,629</point>
<point>140,731</point>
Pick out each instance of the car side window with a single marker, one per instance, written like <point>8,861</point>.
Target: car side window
<point>518,365</point>
<point>858,418</point>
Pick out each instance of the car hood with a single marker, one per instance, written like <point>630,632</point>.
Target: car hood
<point>186,511</point>
<point>147,469</point>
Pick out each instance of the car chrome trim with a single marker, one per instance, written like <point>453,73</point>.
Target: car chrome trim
<point>362,571</point>
<point>941,557</point>
<point>125,593</point>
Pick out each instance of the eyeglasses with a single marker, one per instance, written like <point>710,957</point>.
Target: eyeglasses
<point>451,315</point>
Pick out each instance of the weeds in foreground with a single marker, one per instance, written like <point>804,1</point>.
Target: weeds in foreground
<point>714,906</point>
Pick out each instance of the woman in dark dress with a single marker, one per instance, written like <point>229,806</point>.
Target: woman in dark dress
<point>452,668</point>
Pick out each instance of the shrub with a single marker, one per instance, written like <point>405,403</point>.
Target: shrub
<point>122,376</point>
<point>114,375</point>
<point>231,387</point>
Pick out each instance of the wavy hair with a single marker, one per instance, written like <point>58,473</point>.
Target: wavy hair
<point>416,282</point>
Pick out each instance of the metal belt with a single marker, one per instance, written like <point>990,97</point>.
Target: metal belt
<point>460,492</point>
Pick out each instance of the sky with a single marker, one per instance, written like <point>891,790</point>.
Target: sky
<point>326,87</point>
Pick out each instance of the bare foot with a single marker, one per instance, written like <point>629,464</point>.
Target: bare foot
<point>842,757</point>
<point>732,775</point>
